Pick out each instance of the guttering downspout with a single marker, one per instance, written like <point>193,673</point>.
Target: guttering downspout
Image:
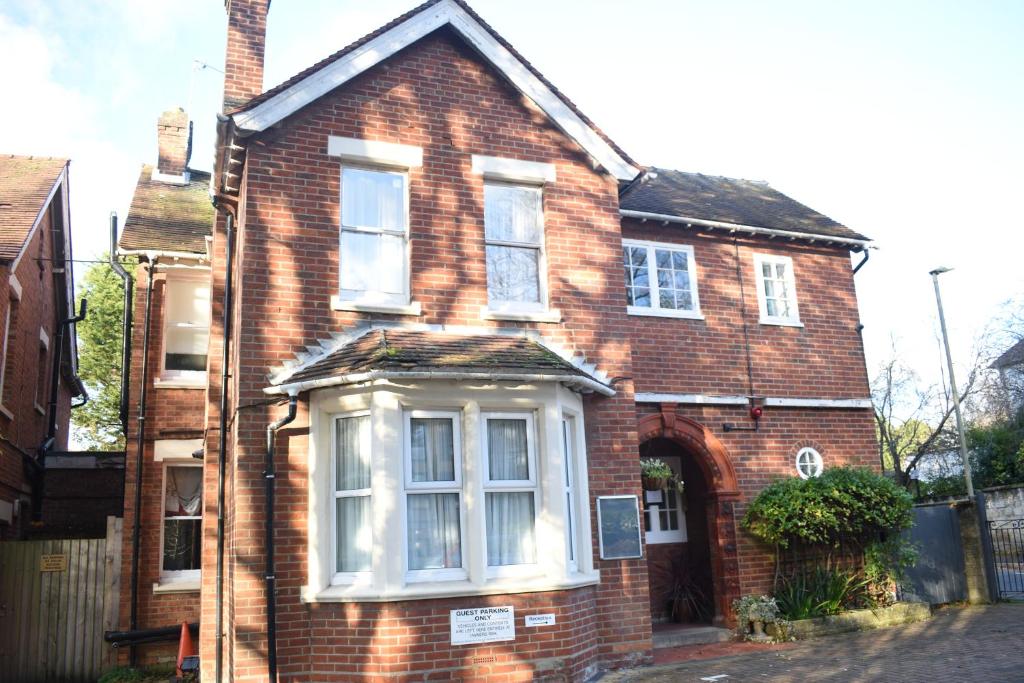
<point>222,442</point>
<point>141,426</point>
<point>126,325</point>
<point>867,255</point>
<point>268,478</point>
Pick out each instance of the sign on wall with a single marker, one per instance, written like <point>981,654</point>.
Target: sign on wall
<point>483,625</point>
<point>618,521</point>
<point>53,563</point>
<point>534,620</point>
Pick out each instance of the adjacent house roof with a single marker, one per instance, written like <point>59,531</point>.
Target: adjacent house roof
<point>396,352</point>
<point>305,87</point>
<point>168,217</point>
<point>1011,357</point>
<point>694,196</point>
<point>26,184</point>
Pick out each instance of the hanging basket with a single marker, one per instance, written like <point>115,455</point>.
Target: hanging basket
<point>653,483</point>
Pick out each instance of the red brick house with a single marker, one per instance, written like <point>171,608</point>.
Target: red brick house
<point>456,316</point>
<point>36,305</point>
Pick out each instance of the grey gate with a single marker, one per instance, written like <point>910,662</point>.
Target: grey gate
<point>1007,537</point>
<point>938,576</point>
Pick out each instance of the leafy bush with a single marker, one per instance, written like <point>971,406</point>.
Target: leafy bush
<point>655,468</point>
<point>820,592</point>
<point>127,674</point>
<point>852,504</point>
<point>759,607</point>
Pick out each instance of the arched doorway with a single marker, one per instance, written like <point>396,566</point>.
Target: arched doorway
<point>712,492</point>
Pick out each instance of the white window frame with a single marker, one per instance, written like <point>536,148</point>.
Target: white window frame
<point>367,298</point>
<point>655,308</point>
<point>815,463</point>
<point>511,486</point>
<point>179,575</point>
<point>196,377</point>
<point>521,307</point>
<point>421,487</point>
<point>793,319</point>
<point>42,383</point>
<point>340,578</point>
<point>568,434</point>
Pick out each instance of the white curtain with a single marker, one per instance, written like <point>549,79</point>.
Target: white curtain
<point>354,534</point>
<point>184,494</point>
<point>434,541</point>
<point>372,199</point>
<point>433,449</point>
<point>352,467</point>
<point>352,439</point>
<point>507,457</point>
<point>510,528</point>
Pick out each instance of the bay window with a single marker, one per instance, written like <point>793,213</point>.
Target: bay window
<point>661,279</point>
<point>438,489</point>
<point>776,290</point>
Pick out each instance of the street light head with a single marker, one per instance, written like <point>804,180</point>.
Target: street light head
<point>940,270</point>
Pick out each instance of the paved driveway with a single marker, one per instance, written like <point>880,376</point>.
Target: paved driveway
<point>984,644</point>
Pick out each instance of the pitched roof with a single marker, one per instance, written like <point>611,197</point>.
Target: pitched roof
<point>25,185</point>
<point>727,200</point>
<point>292,95</point>
<point>168,217</point>
<point>417,353</point>
<point>1012,356</point>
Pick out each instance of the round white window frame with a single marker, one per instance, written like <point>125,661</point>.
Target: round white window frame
<point>816,462</point>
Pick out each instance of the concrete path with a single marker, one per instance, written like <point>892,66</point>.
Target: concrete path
<point>984,644</point>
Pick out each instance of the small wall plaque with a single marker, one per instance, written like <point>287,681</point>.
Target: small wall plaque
<point>53,563</point>
<point>540,620</point>
<point>618,521</point>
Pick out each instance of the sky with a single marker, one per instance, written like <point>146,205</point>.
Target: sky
<point>900,119</point>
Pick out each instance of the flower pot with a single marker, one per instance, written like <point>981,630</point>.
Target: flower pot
<point>653,483</point>
<point>758,633</point>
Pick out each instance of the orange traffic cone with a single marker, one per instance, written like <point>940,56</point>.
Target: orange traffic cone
<point>185,648</point>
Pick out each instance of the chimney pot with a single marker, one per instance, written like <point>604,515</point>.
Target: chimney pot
<point>246,45</point>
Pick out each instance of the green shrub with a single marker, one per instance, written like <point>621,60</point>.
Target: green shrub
<point>159,673</point>
<point>820,592</point>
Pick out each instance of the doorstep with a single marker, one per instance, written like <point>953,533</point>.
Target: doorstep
<point>681,635</point>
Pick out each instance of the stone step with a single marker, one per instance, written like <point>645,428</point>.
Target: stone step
<point>680,636</point>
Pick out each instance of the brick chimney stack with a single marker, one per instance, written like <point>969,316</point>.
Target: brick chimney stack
<point>247,41</point>
<point>174,138</point>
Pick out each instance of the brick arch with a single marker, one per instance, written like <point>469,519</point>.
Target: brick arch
<point>723,492</point>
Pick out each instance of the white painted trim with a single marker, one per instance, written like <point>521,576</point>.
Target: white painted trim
<point>375,152</point>
<point>195,381</point>
<point>176,449</point>
<point>793,319</point>
<point>339,304</point>
<point>655,308</point>
<point>736,227</point>
<point>735,400</point>
<point>170,178</point>
<point>152,254</point>
<point>450,589</point>
<point>816,463</point>
<point>408,32</point>
<point>551,315</point>
<point>185,585</point>
<point>514,170</point>
<point>44,338</point>
<point>15,286</point>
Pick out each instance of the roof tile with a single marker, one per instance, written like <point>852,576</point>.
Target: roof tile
<point>25,183</point>
<point>168,217</point>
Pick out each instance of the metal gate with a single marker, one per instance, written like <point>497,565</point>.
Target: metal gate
<point>1007,536</point>
<point>938,575</point>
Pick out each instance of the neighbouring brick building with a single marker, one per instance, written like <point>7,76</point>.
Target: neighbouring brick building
<point>36,295</point>
<point>458,315</point>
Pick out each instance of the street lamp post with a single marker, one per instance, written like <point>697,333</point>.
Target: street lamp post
<point>952,384</point>
<point>978,499</point>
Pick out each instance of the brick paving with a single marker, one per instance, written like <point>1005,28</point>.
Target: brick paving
<point>984,644</point>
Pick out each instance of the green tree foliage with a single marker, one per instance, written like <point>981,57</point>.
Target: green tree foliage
<point>996,450</point>
<point>844,503</point>
<point>97,424</point>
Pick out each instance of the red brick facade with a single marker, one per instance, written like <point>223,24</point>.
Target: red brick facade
<point>440,96</point>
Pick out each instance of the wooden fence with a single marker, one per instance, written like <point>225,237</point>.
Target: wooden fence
<point>56,600</point>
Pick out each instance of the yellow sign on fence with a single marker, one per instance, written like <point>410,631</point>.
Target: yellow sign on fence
<point>53,563</point>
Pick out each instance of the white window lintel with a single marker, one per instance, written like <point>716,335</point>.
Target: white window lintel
<point>375,152</point>
<point>516,170</point>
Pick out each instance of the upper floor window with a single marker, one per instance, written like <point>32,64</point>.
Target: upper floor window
<point>186,326</point>
<point>183,520</point>
<point>776,290</point>
<point>661,279</point>
<point>42,371</point>
<point>374,227</point>
<point>514,235</point>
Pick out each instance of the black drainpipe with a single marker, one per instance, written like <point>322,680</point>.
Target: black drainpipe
<point>126,326</point>
<point>141,426</point>
<point>222,444</point>
<point>867,255</point>
<point>268,479</point>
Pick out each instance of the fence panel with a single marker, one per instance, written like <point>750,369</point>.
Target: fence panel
<point>938,576</point>
<point>57,597</point>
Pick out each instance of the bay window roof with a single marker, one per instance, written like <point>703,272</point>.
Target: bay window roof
<point>417,354</point>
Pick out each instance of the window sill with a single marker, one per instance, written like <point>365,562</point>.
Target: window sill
<point>664,313</point>
<point>6,413</point>
<point>447,589</point>
<point>781,323</point>
<point>412,308</point>
<point>549,316</point>
<point>180,383</point>
<point>180,586</point>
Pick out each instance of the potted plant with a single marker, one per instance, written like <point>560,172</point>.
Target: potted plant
<point>753,612</point>
<point>654,474</point>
